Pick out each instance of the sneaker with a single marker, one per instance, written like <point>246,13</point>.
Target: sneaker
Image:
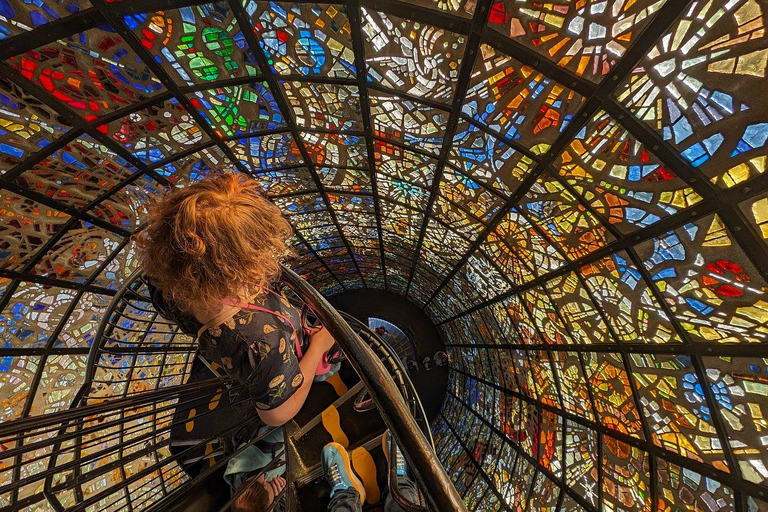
<point>338,470</point>
<point>386,443</point>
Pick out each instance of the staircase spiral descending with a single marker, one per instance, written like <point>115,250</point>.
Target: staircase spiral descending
<point>154,424</point>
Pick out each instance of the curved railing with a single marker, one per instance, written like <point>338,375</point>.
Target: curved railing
<point>439,492</point>
<point>397,369</point>
<point>112,450</point>
<point>388,355</point>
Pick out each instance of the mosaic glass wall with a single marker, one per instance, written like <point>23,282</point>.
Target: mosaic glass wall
<point>574,190</point>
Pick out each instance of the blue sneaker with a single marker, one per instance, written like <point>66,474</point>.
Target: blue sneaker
<point>338,470</point>
<point>401,469</point>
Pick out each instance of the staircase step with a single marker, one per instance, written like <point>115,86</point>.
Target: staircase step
<point>316,400</point>
<point>338,384</point>
<point>329,416</point>
<point>306,483</point>
<point>314,492</point>
<point>370,446</point>
<point>332,425</point>
<point>322,394</point>
<point>357,428</point>
<point>365,467</point>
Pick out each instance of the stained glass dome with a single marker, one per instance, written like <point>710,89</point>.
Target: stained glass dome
<point>573,190</point>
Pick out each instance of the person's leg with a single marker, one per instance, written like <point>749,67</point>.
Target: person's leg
<point>405,486</point>
<point>347,491</point>
<point>345,500</point>
<point>407,489</point>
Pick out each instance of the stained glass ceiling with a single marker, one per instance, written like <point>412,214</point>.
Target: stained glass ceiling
<point>575,191</point>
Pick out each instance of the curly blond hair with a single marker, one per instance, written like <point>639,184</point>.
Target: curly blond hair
<point>255,497</point>
<point>211,241</point>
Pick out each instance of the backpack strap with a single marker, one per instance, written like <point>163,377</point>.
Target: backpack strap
<point>219,319</point>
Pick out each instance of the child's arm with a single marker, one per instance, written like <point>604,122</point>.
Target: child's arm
<point>320,343</point>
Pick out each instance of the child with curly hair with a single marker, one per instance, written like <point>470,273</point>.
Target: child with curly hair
<point>212,253</point>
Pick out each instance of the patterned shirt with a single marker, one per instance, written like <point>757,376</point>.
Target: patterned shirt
<point>256,347</point>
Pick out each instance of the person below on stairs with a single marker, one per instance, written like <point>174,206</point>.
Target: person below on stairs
<point>211,255</point>
<point>348,492</point>
<point>255,488</point>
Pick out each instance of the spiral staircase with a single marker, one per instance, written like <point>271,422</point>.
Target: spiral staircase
<point>154,424</point>
<point>573,192</point>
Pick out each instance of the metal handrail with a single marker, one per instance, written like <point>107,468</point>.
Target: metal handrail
<point>417,408</point>
<point>430,475</point>
<point>106,327</point>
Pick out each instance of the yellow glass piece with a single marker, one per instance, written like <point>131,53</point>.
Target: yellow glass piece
<point>760,212</point>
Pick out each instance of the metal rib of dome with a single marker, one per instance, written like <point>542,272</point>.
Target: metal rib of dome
<point>574,191</point>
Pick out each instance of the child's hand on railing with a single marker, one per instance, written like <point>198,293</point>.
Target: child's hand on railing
<point>324,340</point>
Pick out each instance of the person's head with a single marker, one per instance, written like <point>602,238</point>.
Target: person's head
<point>215,239</point>
<point>257,496</point>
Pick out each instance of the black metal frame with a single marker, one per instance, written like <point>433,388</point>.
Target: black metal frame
<point>279,95</point>
<point>478,467</point>
<point>740,486</point>
<point>600,97</point>
<point>467,63</point>
<point>597,96</point>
